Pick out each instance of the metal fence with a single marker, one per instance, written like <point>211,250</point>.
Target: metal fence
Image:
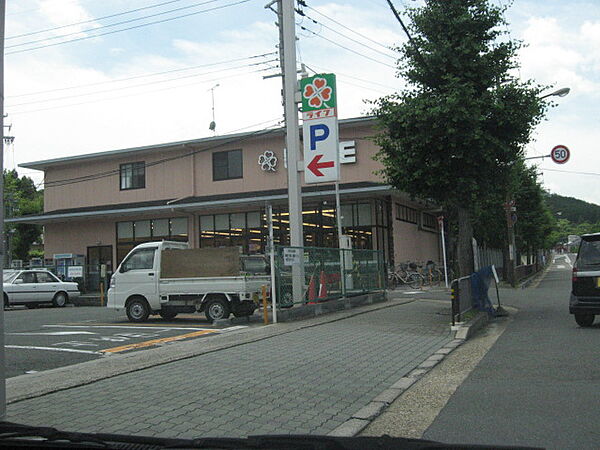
<point>485,256</point>
<point>326,273</point>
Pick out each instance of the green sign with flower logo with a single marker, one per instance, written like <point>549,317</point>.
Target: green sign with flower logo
<point>318,93</point>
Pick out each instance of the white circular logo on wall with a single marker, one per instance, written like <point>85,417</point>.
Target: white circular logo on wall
<point>268,161</point>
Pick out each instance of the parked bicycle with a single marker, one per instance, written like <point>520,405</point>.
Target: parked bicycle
<point>405,274</point>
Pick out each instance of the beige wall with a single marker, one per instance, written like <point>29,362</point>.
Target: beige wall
<point>192,175</point>
<point>76,237</point>
<point>413,244</point>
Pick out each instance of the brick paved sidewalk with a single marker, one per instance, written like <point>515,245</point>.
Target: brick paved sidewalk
<point>306,381</point>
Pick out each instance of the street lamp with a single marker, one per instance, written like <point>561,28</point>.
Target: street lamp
<point>558,93</point>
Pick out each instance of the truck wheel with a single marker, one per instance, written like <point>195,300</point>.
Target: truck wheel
<point>584,320</point>
<point>217,308</point>
<point>167,315</point>
<point>138,310</point>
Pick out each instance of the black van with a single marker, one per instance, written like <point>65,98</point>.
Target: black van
<point>585,293</point>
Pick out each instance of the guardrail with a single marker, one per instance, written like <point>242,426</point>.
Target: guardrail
<point>462,297</point>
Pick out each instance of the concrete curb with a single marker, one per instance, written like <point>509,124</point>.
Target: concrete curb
<point>535,277</point>
<point>364,416</point>
<point>38,384</point>
<point>466,330</point>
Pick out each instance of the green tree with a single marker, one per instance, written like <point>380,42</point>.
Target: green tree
<point>464,119</point>
<point>21,197</point>
<point>535,221</point>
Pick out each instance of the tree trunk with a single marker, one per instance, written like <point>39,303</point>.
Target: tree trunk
<point>465,239</point>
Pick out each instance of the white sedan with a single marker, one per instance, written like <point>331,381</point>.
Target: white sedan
<point>30,287</point>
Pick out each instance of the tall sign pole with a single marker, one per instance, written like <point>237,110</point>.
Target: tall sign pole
<point>2,240</point>
<point>292,137</point>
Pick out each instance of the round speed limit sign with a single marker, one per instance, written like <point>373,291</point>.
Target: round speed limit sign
<point>560,154</point>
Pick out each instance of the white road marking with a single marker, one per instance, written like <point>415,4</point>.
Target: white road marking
<point>69,350</point>
<point>52,333</point>
<point>560,266</point>
<point>128,327</point>
<point>237,327</point>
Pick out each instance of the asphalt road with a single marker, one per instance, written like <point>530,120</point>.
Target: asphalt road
<point>46,338</point>
<point>539,385</point>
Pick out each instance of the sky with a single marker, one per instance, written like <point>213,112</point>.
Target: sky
<point>108,89</point>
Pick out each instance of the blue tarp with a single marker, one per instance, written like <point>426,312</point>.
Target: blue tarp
<point>480,284</point>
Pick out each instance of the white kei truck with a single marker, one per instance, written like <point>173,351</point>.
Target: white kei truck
<point>168,278</point>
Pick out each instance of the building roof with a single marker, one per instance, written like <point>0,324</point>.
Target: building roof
<point>366,188</point>
<point>43,164</point>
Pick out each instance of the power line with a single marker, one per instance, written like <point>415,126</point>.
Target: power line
<point>321,68</point>
<point>31,33</point>
<point>346,27</point>
<point>134,77</point>
<point>18,13</point>
<point>136,19</point>
<point>139,93</point>
<point>570,171</point>
<point>168,80</point>
<point>130,28</point>
<point>109,173</point>
<point>346,48</point>
<point>349,38</point>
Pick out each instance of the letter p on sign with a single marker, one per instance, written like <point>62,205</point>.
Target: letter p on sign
<point>318,132</point>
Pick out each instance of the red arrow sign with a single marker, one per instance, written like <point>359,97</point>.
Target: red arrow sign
<point>315,166</point>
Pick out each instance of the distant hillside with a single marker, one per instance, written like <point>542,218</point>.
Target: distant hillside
<point>575,210</point>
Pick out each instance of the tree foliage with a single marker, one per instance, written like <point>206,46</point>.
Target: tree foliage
<point>21,197</point>
<point>453,135</point>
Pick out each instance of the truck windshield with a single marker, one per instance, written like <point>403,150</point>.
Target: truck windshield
<point>589,253</point>
<point>141,259</point>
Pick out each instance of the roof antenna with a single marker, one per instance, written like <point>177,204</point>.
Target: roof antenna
<point>213,125</point>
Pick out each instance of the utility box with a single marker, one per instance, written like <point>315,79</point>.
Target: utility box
<point>346,244</point>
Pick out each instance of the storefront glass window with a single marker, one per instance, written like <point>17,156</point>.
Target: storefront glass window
<point>364,214</point>
<point>222,222</point>
<point>142,230</point>
<point>129,234</point>
<point>179,228</point>
<point>160,228</point>
<point>125,231</point>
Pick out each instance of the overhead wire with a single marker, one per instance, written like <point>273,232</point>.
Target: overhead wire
<point>134,77</point>
<point>346,48</point>
<point>570,171</point>
<point>110,25</point>
<point>141,93</point>
<point>337,72</point>
<point>96,19</point>
<point>347,28</point>
<point>149,83</point>
<point>130,28</point>
<point>350,38</point>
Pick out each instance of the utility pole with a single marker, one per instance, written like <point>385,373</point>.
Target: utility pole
<point>2,358</point>
<point>287,49</point>
<point>510,209</point>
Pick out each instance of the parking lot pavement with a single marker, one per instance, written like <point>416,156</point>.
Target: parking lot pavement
<point>309,380</point>
<point>47,338</point>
